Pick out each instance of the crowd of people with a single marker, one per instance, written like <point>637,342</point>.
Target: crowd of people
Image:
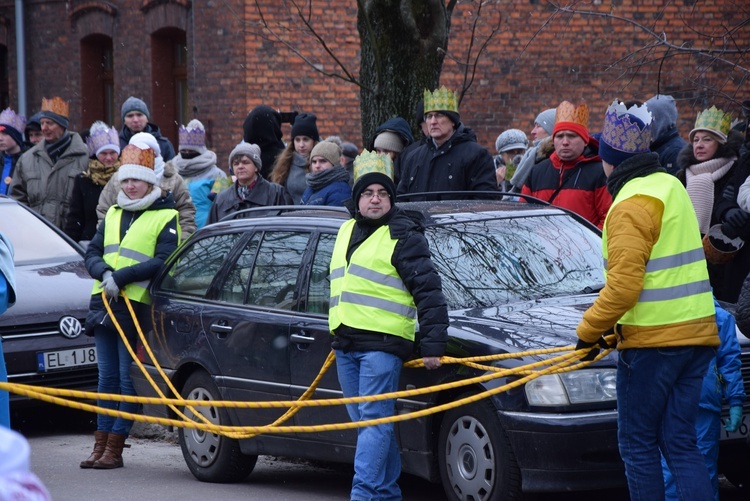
<point>674,216</point>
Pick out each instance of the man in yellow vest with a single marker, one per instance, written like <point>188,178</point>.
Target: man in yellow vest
<point>658,300</point>
<point>382,280</point>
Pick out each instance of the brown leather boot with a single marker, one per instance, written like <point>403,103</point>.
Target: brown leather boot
<point>100,442</point>
<point>112,457</point>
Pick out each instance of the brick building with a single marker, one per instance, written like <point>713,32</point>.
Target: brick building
<point>213,60</point>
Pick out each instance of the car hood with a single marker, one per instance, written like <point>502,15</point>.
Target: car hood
<point>528,325</point>
<point>46,292</point>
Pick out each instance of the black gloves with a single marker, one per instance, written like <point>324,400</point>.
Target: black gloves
<point>735,220</point>
<point>730,193</point>
<point>591,355</point>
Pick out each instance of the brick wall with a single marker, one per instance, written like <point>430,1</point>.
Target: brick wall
<point>535,60</point>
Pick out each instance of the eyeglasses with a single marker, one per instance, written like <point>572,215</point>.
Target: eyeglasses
<point>369,194</point>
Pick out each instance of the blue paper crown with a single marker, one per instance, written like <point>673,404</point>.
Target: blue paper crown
<point>622,133</point>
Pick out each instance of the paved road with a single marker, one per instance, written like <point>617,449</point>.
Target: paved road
<point>155,471</point>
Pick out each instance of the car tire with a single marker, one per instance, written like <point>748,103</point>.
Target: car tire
<point>211,457</point>
<point>475,457</point>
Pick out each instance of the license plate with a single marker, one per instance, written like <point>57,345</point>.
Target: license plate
<point>741,432</point>
<point>65,359</point>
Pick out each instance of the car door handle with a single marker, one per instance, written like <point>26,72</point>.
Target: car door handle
<point>302,339</point>
<point>221,330</point>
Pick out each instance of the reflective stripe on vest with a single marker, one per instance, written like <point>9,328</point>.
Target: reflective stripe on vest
<point>137,246</point>
<point>368,293</point>
<point>676,287</point>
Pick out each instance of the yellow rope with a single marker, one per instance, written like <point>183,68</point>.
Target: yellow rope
<point>565,361</point>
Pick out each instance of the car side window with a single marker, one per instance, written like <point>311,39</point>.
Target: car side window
<point>234,288</point>
<point>196,268</point>
<point>274,278</point>
<point>319,292</point>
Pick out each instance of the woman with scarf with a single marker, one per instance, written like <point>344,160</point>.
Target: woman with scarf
<point>328,181</point>
<point>168,179</point>
<point>709,169</point>
<point>291,167</point>
<point>250,189</point>
<point>197,166</point>
<point>104,160</point>
<point>130,246</point>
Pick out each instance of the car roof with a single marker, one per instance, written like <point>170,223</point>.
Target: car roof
<point>434,212</point>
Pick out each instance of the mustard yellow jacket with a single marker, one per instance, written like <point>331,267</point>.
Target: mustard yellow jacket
<point>633,228</point>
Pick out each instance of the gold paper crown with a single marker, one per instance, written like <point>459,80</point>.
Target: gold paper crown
<point>368,162</point>
<point>568,112</point>
<point>133,155</point>
<point>715,120</point>
<point>440,100</point>
<point>55,105</point>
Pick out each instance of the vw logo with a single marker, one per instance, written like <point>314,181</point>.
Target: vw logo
<point>70,327</point>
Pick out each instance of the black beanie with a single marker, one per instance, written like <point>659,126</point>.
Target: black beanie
<point>304,125</point>
<point>371,178</point>
<point>13,133</point>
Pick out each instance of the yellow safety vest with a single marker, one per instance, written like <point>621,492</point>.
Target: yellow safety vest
<point>676,287</point>
<point>368,293</point>
<point>137,246</point>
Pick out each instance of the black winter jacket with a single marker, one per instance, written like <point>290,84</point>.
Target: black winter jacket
<point>81,221</point>
<point>459,164</point>
<point>411,259</point>
<point>167,150</point>
<point>726,279</point>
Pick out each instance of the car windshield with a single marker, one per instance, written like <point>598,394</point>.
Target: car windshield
<point>33,241</point>
<point>502,260</point>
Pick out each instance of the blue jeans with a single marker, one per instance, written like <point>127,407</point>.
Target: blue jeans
<point>114,377</point>
<point>377,461</point>
<point>708,428</point>
<point>658,390</point>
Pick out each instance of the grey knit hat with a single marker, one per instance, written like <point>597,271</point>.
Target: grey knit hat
<point>328,150</point>
<point>251,150</point>
<point>133,104</point>
<point>546,120</point>
<point>389,141</point>
<point>511,139</point>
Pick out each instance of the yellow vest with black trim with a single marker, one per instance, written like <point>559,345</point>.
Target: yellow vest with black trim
<point>676,286</point>
<point>137,246</point>
<point>368,293</point>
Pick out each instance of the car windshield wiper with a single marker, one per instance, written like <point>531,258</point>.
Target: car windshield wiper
<point>590,289</point>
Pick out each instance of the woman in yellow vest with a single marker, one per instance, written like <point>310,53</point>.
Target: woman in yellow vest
<point>130,245</point>
<point>658,299</point>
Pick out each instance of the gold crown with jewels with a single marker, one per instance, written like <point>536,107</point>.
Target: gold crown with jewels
<point>133,155</point>
<point>441,99</point>
<point>568,112</point>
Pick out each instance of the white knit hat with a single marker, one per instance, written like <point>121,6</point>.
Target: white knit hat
<point>137,163</point>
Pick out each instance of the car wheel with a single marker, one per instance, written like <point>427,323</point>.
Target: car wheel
<point>211,457</point>
<point>475,458</point>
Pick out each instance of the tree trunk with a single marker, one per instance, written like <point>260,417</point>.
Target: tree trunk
<point>403,44</point>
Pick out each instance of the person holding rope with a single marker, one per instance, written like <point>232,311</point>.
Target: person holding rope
<point>382,277</point>
<point>658,299</point>
<point>135,237</point>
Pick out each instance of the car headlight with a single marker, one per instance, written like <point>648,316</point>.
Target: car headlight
<point>576,387</point>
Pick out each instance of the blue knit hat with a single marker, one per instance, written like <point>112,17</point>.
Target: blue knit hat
<point>133,104</point>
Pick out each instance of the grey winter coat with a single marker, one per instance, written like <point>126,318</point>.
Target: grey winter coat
<point>45,186</point>
<point>263,194</point>
<point>171,181</point>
